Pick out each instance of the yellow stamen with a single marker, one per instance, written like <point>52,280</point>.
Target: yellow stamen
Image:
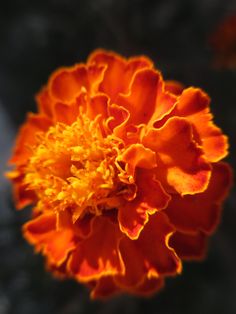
<point>75,166</point>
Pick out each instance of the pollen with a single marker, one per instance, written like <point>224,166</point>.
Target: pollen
<point>74,166</point>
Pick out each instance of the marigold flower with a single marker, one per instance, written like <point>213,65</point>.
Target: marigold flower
<point>124,174</point>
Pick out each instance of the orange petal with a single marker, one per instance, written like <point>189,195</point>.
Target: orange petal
<point>119,117</point>
<point>44,102</point>
<point>67,83</point>
<point>148,287</point>
<point>180,162</point>
<point>136,155</point>
<point>98,105</point>
<point>26,138</point>
<point>117,68</point>
<point>115,65</point>
<point>189,246</point>
<point>194,104</point>
<point>83,227</point>
<point>147,100</point>
<point>59,271</point>
<point>174,87</point>
<point>141,100</point>
<point>97,255</point>
<point>36,230</point>
<point>150,254</point>
<point>22,195</point>
<point>201,211</point>
<point>56,244</point>
<point>66,113</point>
<point>134,215</point>
<point>105,287</point>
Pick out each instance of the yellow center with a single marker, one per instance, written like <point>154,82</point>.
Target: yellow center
<point>75,166</point>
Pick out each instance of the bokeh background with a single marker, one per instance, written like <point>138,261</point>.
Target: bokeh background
<point>38,36</point>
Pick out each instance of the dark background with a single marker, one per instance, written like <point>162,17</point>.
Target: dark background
<point>35,38</point>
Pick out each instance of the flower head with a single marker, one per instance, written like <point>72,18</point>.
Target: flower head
<point>123,171</point>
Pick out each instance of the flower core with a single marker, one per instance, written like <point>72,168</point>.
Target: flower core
<point>75,166</point>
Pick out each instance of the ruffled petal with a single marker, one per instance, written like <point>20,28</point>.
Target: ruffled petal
<point>148,287</point>
<point>174,87</point>
<point>44,102</point>
<point>23,196</point>
<point>146,101</point>
<point>189,246</point>
<point>93,107</point>
<point>107,287</point>
<point>193,104</point>
<point>117,68</point>
<point>66,113</point>
<point>151,198</point>
<point>104,288</point>
<point>149,255</point>
<point>201,211</point>
<point>66,84</point>
<point>117,121</point>
<point>181,164</point>
<point>83,227</point>
<point>98,255</point>
<point>136,155</point>
<point>97,106</point>
<point>27,137</point>
<point>55,244</point>
<point>141,100</point>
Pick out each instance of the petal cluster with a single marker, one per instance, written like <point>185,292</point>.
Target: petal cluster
<point>123,173</point>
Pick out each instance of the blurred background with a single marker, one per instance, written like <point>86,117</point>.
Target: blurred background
<point>38,36</point>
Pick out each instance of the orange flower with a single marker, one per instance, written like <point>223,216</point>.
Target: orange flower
<point>223,43</point>
<point>123,170</point>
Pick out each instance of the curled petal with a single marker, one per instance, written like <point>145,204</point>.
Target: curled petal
<point>56,244</point>
<point>151,198</point>
<point>97,255</point>
<point>44,102</point>
<point>148,287</point>
<point>193,103</point>
<point>149,255</point>
<point>34,124</point>
<point>189,246</point>
<point>66,113</point>
<point>174,87</point>
<point>66,84</point>
<point>23,196</point>
<point>136,155</point>
<point>105,287</point>
<point>141,101</point>
<point>117,68</point>
<point>118,119</point>
<point>98,105</point>
<point>146,101</point>
<point>83,227</point>
<point>201,211</point>
<point>181,162</point>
